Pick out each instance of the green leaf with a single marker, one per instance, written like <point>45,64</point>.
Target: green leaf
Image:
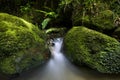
<point>45,22</point>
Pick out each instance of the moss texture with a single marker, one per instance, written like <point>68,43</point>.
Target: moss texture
<point>98,51</point>
<point>104,20</point>
<point>95,14</point>
<point>22,45</point>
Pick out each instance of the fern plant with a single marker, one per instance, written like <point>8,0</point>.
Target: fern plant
<point>49,16</point>
<point>45,22</point>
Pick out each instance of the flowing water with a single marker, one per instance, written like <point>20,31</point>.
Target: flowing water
<point>59,68</point>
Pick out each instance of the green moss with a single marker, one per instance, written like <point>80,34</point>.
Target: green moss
<point>19,40</point>
<point>7,66</point>
<point>14,40</point>
<point>95,49</point>
<point>104,20</point>
<point>95,15</point>
<point>23,60</point>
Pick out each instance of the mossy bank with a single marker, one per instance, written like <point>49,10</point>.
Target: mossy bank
<point>22,45</point>
<point>96,50</point>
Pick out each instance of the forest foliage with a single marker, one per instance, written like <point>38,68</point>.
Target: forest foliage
<point>58,12</point>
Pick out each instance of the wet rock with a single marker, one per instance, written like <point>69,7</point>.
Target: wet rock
<point>20,43</point>
<point>51,42</point>
<point>96,50</point>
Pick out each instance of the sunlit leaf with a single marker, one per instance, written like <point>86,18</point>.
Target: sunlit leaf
<point>45,22</point>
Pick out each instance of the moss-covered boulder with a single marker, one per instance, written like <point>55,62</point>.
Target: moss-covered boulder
<point>101,21</point>
<point>98,15</point>
<point>22,45</point>
<point>104,20</point>
<point>98,51</point>
<point>83,11</point>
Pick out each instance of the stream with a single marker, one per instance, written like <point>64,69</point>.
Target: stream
<point>59,68</point>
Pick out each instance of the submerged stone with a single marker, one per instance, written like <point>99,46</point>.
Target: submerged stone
<point>96,50</point>
<point>22,45</point>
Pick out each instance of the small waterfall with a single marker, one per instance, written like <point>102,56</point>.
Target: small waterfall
<point>59,68</point>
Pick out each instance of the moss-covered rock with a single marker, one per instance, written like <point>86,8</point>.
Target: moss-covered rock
<point>22,45</point>
<point>97,15</point>
<point>98,51</point>
<point>104,20</point>
<point>83,11</point>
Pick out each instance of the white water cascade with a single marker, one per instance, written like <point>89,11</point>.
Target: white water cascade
<point>59,68</point>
